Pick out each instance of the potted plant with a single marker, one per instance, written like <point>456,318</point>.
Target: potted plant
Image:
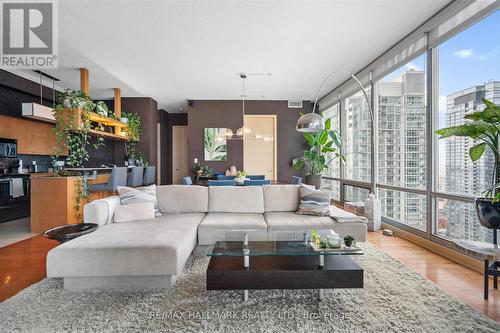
<point>348,240</point>
<point>324,148</point>
<point>484,128</point>
<point>101,108</point>
<point>240,176</point>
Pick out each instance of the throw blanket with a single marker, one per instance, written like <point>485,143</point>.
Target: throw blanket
<point>341,215</point>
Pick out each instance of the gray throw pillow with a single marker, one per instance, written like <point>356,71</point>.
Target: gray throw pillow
<point>129,196</point>
<point>314,202</point>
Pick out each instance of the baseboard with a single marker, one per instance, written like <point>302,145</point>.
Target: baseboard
<point>459,258</point>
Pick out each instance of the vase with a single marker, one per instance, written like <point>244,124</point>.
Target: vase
<point>314,180</point>
<point>489,215</point>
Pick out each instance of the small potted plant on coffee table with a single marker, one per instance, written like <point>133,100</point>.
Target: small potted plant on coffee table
<point>348,240</point>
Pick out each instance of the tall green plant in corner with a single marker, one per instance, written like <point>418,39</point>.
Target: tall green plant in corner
<point>484,128</point>
<point>324,148</point>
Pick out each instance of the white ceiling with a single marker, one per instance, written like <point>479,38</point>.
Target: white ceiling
<point>178,50</point>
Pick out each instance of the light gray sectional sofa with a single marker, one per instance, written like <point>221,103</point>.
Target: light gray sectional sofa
<point>151,253</point>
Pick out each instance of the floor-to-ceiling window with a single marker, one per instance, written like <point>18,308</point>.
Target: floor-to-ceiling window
<point>332,174</point>
<point>425,185</point>
<point>468,71</point>
<point>401,107</point>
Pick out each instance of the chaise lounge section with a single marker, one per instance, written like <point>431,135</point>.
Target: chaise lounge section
<point>150,254</point>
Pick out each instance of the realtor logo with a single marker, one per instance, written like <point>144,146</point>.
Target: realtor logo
<point>29,34</point>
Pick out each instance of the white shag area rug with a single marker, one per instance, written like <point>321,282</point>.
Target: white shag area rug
<point>394,299</point>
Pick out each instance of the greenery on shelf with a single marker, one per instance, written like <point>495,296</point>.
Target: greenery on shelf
<point>73,134</point>
<point>484,128</point>
<point>102,109</point>
<point>324,148</point>
<point>134,132</point>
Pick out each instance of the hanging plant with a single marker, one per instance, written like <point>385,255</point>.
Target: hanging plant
<point>73,134</point>
<point>69,137</point>
<point>134,131</point>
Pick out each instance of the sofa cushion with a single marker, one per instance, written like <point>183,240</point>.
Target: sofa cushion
<point>314,202</point>
<point>182,198</point>
<point>288,223</point>
<point>235,199</point>
<point>145,248</point>
<point>215,223</point>
<point>135,212</point>
<point>281,198</point>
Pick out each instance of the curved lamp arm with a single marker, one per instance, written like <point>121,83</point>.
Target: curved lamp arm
<point>372,117</point>
<point>355,79</point>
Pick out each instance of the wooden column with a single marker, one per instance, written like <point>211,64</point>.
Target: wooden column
<point>84,80</point>
<point>118,108</point>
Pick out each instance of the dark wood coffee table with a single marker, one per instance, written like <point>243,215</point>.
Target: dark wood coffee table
<point>68,232</point>
<point>235,265</point>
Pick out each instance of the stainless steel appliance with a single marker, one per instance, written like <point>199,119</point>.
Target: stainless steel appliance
<point>8,148</point>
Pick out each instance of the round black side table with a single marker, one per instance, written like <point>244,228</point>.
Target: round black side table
<point>68,232</point>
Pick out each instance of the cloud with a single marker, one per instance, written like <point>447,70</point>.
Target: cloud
<point>463,53</point>
<point>412,67</point>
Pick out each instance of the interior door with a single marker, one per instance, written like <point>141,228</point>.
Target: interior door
<point>179,154</point>
<point>259,146</point>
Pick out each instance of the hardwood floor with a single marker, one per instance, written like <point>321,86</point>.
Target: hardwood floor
<point>456,279</point>
<point>23,264</point>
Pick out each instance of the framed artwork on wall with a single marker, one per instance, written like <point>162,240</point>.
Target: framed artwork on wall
<point>215,144</point>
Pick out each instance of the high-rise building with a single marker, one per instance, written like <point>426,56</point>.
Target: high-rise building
<point>462,175</point>
<point>402,148</point>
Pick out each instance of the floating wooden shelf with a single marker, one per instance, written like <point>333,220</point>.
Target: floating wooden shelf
<point>118,127</point>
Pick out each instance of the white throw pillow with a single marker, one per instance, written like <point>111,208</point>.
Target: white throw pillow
<point>134,212</point>
<point>129,195</point>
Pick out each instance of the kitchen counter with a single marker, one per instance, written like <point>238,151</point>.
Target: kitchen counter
<point>54,200</point>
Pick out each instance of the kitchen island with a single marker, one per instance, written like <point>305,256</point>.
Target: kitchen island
<point>54,198</point>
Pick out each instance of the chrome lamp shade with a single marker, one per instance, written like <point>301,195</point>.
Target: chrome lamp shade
<point>310,123</point>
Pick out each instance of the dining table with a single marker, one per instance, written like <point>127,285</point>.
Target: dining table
<point>204,182</point>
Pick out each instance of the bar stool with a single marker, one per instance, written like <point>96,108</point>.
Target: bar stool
<point>134,178</point>
<point>117,177</point>
<point>149,175</point>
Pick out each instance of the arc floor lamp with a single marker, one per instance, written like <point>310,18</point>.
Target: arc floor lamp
<point>313,122</point>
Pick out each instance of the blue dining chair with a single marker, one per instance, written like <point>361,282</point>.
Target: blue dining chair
<point>224,182</point>
<point>257,182</point>
<point>135,176</point>
<point>118,177</point>
<point>224,177</point>
<point>187,181</point>
<point>296,180</point>
<point>256,177</point>
<point>149,175</point>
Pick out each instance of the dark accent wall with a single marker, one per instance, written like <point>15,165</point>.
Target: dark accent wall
<point>167,121</point>
<point>227,114</point>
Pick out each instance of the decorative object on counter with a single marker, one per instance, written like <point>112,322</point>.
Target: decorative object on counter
<point>348,240</point>
<point>68,232</point>
<point>215,144</point>
<point>373,212</point>
<point>324,149</point>
<point>482,128</point>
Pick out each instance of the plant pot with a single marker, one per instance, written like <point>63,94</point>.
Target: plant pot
<point>314,180</point>
<point>488,213</point>
<point>124,120</point>
<point>348,243</point>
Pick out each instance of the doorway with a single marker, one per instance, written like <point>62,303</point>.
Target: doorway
<point>259,146</point>
<point>179,154</point>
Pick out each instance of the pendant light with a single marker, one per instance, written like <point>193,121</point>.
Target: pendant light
<point>240,132</point>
